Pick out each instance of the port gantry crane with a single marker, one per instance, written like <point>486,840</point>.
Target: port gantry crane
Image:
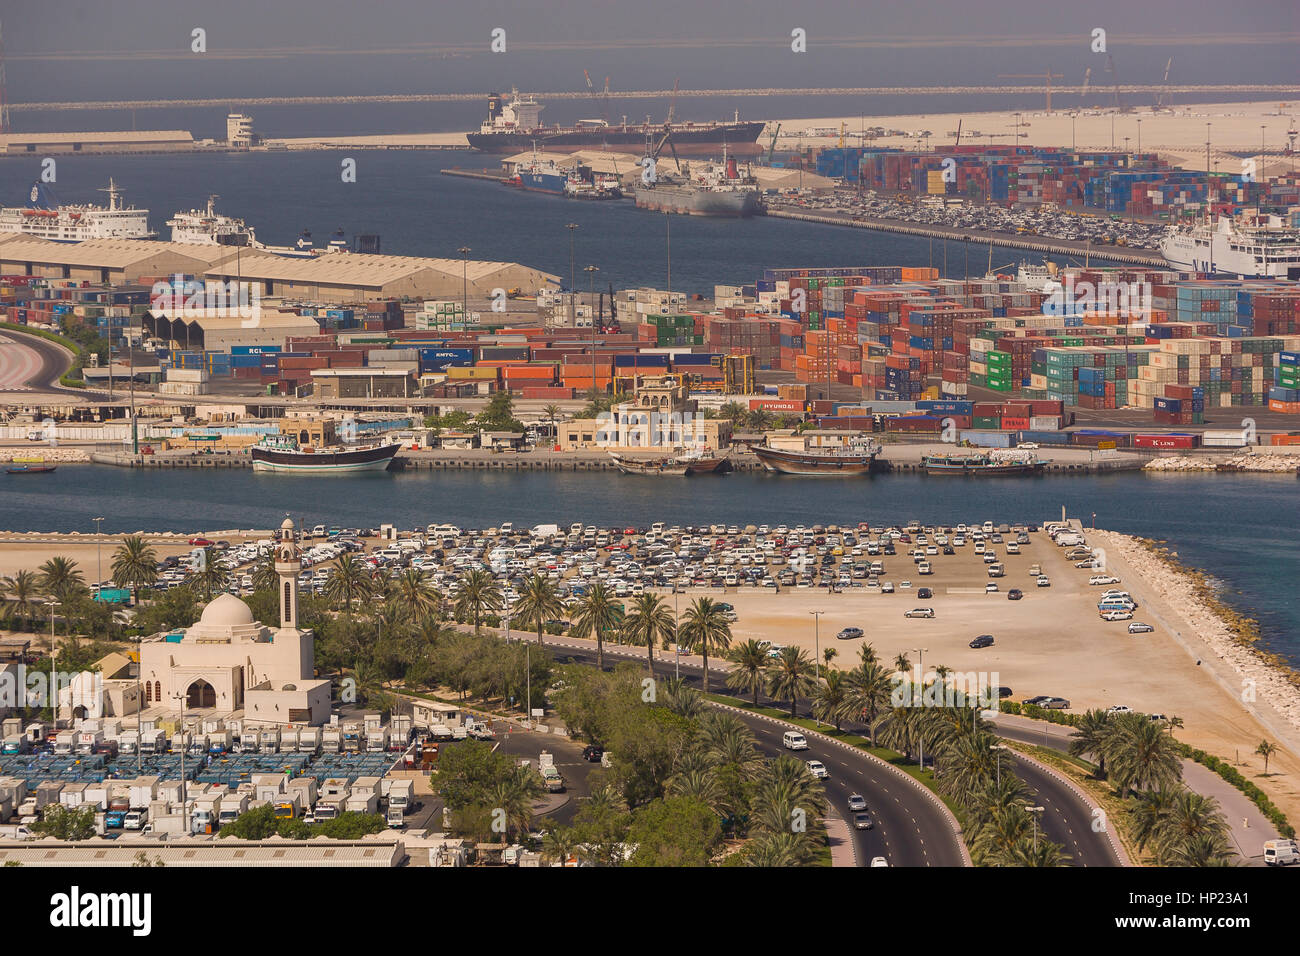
<point>1048,76</point>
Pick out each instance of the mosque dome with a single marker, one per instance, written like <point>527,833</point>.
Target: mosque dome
<point>226,611</point>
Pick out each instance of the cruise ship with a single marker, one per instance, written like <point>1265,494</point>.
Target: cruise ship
<point>44,218</point>
<point>1247,247</point>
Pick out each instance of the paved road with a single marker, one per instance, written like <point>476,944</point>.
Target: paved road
<point>909,828</point>
<point>31,364</point>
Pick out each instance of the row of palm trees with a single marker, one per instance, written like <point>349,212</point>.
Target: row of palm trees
<point>134,564</point>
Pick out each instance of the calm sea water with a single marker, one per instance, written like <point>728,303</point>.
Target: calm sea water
<point>418,212</point>
<point>1240,528</point>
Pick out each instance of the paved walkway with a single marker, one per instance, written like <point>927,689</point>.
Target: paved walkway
<point>841,840</point>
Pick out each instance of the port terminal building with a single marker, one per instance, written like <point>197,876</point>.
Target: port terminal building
<point>121,141</point>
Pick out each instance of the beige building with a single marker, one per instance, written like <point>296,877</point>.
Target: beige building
<point>215,330</point>
<point>118,261</point>
<point>661,415</point>
<point>123,141</point>
<point>364,383</point>
<point>228,662</point>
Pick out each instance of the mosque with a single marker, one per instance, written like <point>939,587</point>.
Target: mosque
<point>228,663</point>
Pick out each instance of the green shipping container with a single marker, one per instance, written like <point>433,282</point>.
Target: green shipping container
<point>992,423</point>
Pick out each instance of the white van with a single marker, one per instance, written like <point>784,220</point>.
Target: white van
<point>793,740</point>
<point>1281,853</point>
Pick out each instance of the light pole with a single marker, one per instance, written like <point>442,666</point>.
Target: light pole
<point>464,282</point>
<point>817,646</point>
<point>999,748</point>
<point>99,562</point>
<point>920,666</point>
<point>528,681</point>
<point>54,686</point>
<point>677,639</point>
<point>1035,811</point>
<point>573,314</point>
<point>591,295</point>
<point>185,809</point>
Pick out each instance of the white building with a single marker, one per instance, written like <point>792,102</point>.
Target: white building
<point>239,130</point>
<point>228,662</point>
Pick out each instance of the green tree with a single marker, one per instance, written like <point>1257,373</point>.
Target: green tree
<point>257,823</point>
<point>66,823</point>
<point>789,676</point>
<point>539,602</point>
<point>416,596</point>
<point>705,628</point>
<point>831,701</point>
<point>210,578</point>
<point>135,564</point>
<point>869,689</point>
<point>1266,750</point>
<point>498,415</point>
<point>598,615</point>
<point>265,577</point>
<point>677,831</point>
<point>1089,737</point>
<point>750,673</point>
<point>23,591</point>
<point>1141,755</point>
<point>350,580</point>
<point>479,594</point>
<point>60,578</point>
<point>649,620</point>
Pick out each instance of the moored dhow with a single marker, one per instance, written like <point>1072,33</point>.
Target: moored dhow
<point>284,454</point>
<point>818,453</point>
<point>981,465</point>
<point>661,467</point>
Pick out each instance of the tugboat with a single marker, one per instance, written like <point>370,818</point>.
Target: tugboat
<point>985,465</point>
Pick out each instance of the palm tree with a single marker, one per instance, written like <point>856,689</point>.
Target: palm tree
<point>902,663</point>
<point>867,654</point>
<point>552,412</point>
<point>1038,853</point>
<point>479,594</point>
<point>559,844</point>
<point>23,589</point>
<point>1142,756</point>
<point>749,675</point>
<point>416,595</point>
<point>61,578</point>
<point>968,764</point>
<point>829,654</point>
<point>210,577</point>
<point>135,564</point>
<point>682,699</point>
<point>790,676</point>
<point>650,620</point>
<point>831,700</point>
<point>704,626</point>
<point>1148,815</point>
<point>700,784</point>
<point>869,690</point>
<point>734,412</point>
<point>539,601</point>
<point>1191,832</point>
<point>264,576</point>
<point>1174,723</point>
<point>1266,750</point>
<point>351,579</point>
<point>515,795</point>
<point>1089,736</point>
<point>598,615</point>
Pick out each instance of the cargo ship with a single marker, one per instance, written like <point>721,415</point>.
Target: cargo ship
<point>981,465</point>
<point>44,218</point>
<point>719,191</point>
<point>283,454</point>
<point>514,125</point>
<point>1259,249</point>
<point>855,458</point>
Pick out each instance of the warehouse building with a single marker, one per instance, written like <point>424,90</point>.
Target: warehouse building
<point>116,261</point>
<point>364,383</point>
<point>349,277</point>
<point>124,141</point>
<point>217,331</point>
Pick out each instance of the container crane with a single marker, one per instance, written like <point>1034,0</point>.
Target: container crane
<point>1048,76</point>
<point>1164,92</point>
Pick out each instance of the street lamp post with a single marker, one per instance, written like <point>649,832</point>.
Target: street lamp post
<point>99,562</point>
<point>817,645</point>
<point>677,638</point>
<point>54,685</point>
<point>464,282</point>
<point>999,748</point>
<point>920,667</point>
<point>573,313</point>
<point>1035,811</point>
<point>185,808</point>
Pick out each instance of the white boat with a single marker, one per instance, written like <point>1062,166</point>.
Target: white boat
<point>207,227</point>
<point>43,218</point>
<point>1248,247</point>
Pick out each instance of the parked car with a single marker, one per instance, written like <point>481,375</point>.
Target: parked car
<point>919,612</point>
<point>1117,615</point>
<point>1036,701</point>
<point>1100,579</point>
<point>1044,581</point>
<point>1137,627</point>
<point>1119,709</point>
<point>1056,703</point>
<point>592,753</point>
<point>984,640</point>
<point>991,588</point>
<point>924,594</point>
<point>887,587</point>
<point>1015,594</point>
<point>850,634</point>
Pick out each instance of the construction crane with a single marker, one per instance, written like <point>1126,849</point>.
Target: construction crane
<point>1048,76</point>
<point>1083,93</point>
<point>672,104</point>
<point>1164,92</point>
<point>1114,82</point>
<point>771,147</point>
<point>958,141</point>
<point>603,108</point>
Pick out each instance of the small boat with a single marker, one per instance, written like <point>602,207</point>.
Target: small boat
<point>664,467</point>
<point>284,455</point>
<point>30,469</point>
<point>701,464</point>
<point>855,458</point>
<point>981,465</point>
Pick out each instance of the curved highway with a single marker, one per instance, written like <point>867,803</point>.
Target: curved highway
<point>906,831</point>
<point>910,828</point>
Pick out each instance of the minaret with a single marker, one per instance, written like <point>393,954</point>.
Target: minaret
<point>287,566</point>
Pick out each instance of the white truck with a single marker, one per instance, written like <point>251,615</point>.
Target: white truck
<point>551,778</point>
<point>1281,852</point>
<point>151,742</point>
<point>268,740</point>
<point>232,806</point>
<point>331,739</point>
<point>309,740</point>
<point>288,740</point>
<point>128,743</point>
<point>65,742</point>
<point>401,796</point>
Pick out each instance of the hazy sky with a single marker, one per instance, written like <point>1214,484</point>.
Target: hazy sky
<point>92,49</point>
